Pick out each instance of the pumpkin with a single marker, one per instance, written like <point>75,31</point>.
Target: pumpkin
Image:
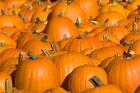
<point>41,15</point>
<point>125,76</point>
<point>90,7</point>
<point>117,31</point>
<point>56,90</point>
<point>5,75</point>
<point>82,42</point>
<point>68,8</point>
<point>39,44</point>
<point>27,36</point>
<point>64,27</point>
<point>137,90</point>
<point>81,75</point>
<point>41,70</point>
<point>112,17</point>
<point>66,63</point>
<point>5,40</point>
<point>130,38</point>
<point>114,6</point>
<point>106,52</point>
<point>12,21</point>
<point>101,88</point>
<point>10,53</point>
<point>8,31</point>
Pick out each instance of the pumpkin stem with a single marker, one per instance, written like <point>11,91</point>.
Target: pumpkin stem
<point>38,2</point>
<point>47,8</point>
<point>105,37</point>
<point>78,22</point>
<point>61,14</point>
<point>13,12</point>
<point>4,12</point>
<point>22,17</point>
<point>80,37</point>
<point>129,1</point>
<point>45,51</point>
<point>53,46</point>
<point>36,32</point>
<point>20,57</point>
<point>106,23</point>
<point>96,81</point>
<point>65,36</point>
<point>113,1</point>
<point>30,7</point>
<point>135,27</point>
<point>44,39</point>
<point>129,54</point>
<point>7,86</point>
<point>32,56</point>
<point>69,2</point>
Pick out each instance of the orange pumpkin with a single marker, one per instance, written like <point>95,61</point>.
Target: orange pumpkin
<point>122,75</point>
<point>41,70</point>
<point>64,27</point>
<point>81,76</point>
<point>101,88</point>
<point>5,75</point>
<point>56,90</point>
<point>70,10</point>
<point>66,63</point>
<point>90,7</point>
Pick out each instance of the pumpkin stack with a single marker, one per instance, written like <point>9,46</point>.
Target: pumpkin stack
<point>69,46</point>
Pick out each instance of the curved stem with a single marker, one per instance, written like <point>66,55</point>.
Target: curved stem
<point>78,22</point>
<point>45,51</point>
<point>32,56</point>
<point>96,81</point>
<point>44,39</point>
<point>7,86</point>
<point>80,37</point>
<point>20,57</point>
<point>53,46</point>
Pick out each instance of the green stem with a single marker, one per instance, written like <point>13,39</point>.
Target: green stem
<point>7,86</point>
<point>32,56</point>
<point>96,81</point>
<point>78,22</point>
<point>44,39</point>
<point>53,46</point>
<point>20,57</point>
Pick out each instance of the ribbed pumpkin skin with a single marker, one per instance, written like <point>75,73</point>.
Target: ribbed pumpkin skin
<point>137,90</point>
<point>90,7</point>
<point>36,75</point>
<point>10,53</point>
<point>66,63</point>
<point>56,90</point>
<point>78,45</point>
<point>71,11</point>
<point>79,78</point>
<point>124,73</point>
<point>106,52</point>
<point>5,75</point>
<point>104,89</point>
<point>64,27</point>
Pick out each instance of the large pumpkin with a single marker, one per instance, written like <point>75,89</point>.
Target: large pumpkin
<point>124,72</point>
<point>66,63</point>
<point>69,9</point>
<point>79,78</point>
<point>101,88</point>
<point>32,72</point>
<point>63,26</point>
